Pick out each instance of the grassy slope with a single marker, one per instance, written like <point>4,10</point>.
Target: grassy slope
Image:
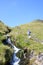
<point>3,48</point>
<point>20,33</point>
<point>3,27</point>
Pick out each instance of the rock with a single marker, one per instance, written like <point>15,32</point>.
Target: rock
<point>39,59</point>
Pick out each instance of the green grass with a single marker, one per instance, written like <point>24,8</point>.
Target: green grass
<point>3,50</point>
<point>19,33</point>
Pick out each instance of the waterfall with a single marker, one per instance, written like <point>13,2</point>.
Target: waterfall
<point>15,60</point>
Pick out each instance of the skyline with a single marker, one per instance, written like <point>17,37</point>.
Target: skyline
<point>17,12</point>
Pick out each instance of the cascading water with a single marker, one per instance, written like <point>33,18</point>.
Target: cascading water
<point>15,60</point>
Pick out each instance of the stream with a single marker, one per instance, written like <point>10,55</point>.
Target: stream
<point>15,60</point>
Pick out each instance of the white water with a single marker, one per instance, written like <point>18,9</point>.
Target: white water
<point>15,60</point>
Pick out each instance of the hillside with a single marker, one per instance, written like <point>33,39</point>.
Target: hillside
<point>3,49</point>
<point>3,28</point>
<point>36,27</point>
<point>21,38</point>
<point>20,33</point>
